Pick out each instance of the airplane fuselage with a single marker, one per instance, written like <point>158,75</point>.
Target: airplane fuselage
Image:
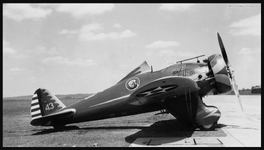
<point>109,104</point>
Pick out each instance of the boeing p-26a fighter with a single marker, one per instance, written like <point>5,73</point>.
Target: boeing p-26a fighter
<point>179,89</point>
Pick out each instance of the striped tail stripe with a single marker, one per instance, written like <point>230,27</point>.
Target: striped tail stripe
<point>35,107</point>
<point>34,101</point>
<point>35,96</point>
<point>36,112</point>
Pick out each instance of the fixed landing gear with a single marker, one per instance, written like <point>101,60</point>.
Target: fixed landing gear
<point>206,116</point>
<point>192,112</point>
<point>58,127</point>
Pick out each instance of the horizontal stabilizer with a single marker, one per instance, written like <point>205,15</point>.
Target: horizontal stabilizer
<point>48,119</point>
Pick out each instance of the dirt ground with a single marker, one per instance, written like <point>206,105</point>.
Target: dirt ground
<point>115,132</point>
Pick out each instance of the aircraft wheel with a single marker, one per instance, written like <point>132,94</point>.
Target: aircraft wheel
<point>208,127</point>
<point>58,127</point>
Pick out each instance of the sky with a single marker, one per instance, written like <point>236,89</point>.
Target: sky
<point>86,48</point>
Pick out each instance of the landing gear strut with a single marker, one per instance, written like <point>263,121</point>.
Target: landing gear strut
<point>206,116</point>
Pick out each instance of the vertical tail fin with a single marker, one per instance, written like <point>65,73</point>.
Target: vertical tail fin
<point>44,103</point>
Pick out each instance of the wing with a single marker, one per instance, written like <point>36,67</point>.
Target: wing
<point>162,88</point>
<point>45,120</point>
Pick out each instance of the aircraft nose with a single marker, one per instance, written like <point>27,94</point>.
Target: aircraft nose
<point>219,69</point>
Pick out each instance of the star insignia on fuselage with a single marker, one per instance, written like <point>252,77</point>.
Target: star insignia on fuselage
<point>157,90</point>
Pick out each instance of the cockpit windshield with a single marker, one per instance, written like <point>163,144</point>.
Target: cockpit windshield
<point>143,68</point>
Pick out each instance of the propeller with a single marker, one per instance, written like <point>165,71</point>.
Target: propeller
<point>229,70</point>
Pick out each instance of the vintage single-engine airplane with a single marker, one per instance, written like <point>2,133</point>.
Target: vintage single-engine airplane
<point>178,89</point>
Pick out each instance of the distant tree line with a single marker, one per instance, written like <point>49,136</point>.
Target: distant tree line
<point>252,91</point>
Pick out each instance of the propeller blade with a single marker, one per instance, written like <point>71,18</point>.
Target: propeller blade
<point>230,71</point>
<point>235,89</point>
<point>222,47</point>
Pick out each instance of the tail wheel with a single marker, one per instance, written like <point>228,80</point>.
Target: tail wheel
<point>59,126</point>
<point>208,127</point>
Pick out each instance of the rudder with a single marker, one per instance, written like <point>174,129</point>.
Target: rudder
<point>44,103</point>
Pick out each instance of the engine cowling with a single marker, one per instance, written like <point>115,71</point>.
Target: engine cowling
<point>218,66</point>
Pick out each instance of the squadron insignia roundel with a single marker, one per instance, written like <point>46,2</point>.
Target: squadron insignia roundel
<point>132,83</point>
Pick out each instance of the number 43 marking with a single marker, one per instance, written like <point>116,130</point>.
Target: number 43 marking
<point>49,106</point>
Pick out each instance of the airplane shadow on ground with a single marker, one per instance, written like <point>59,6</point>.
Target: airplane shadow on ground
<point>168,128</point>
<point>165,128</point>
